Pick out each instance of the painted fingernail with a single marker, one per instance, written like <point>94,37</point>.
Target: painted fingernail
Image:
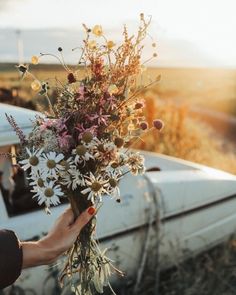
<point>91,210</point>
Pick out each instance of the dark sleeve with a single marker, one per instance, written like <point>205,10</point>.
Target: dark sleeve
<point>10,258</point>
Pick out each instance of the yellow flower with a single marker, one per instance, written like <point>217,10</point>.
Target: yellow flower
<point>97,31</point>
<point>112,89</point>
<point>110,44</point>
<point>92,44</point>
<point>36,85</point>
<point>34,60</point>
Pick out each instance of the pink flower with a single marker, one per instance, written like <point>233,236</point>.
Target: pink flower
<point>80,93</point>
<point>64,141</point>
<point>46,124</point>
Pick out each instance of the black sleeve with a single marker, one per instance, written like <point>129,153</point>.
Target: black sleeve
<point>10,258</point>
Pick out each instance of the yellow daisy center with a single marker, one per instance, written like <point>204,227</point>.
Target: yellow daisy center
<point>33,161</point>
<point>48,192</point>
<point>96,186</point>
<point>51,164</point>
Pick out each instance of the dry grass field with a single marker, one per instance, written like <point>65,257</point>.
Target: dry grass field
<point>184,136</point>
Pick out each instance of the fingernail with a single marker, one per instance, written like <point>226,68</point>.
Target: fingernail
<point>91,210</point>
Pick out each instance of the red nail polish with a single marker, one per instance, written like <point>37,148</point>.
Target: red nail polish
<point>91,210</point>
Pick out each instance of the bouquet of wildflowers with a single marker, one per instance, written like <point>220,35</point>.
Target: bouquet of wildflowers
<point>80,148</point>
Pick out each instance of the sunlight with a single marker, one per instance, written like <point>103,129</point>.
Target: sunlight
<point>208,25</point>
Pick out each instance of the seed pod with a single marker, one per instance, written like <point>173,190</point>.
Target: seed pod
<point>138,105</point>
<point>113,182</point>
<point>87,137</point>
<point>81,150</point>
<point>158,124</point>
<point>119,142</point>
<point>143,125</point>
<point>71,78</point>
<point>114,165</point>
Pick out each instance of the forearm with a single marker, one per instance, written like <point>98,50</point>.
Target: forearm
<point>35,254</point>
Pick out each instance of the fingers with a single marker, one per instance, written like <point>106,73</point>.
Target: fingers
<point>66,218</point>
<point>69,216</point>
<point>83,219</point>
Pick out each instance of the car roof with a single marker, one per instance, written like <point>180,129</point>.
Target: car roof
<point>23,118</point>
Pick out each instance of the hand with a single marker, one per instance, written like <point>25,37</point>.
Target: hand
<point>59,239</point>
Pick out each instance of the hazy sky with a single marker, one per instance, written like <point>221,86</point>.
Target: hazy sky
<point>207,25</point>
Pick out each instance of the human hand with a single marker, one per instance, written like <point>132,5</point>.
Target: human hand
<point>59,239</point>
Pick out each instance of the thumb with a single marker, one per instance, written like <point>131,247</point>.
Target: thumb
<point>83,219</point>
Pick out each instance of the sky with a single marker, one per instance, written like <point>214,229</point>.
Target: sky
<point>188,32</point>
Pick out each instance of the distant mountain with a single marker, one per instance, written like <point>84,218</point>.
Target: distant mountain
<point>171,52</point>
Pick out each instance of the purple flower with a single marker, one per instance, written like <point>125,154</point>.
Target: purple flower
<point>64,141</point>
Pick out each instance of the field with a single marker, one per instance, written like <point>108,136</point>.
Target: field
<point>179,99</point>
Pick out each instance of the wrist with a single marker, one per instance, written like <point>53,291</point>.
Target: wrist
<point>37,253</point>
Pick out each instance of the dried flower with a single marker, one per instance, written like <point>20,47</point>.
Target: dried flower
<point>113,89</point>
<point>119,142</point>
<point>110,44</point>
<point>158,124</point>
<point>139,105</point>
<point>34,60</point>
<point>36,85</point>
<point>97,30</point>
<point>92,45</point>
<point>71,78</point>
<point>143,125</point>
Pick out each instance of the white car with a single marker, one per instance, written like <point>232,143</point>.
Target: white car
<point>176,206</point>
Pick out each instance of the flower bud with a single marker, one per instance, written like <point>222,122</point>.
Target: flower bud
<point>143,125</point>
<point>71,78</point>
<point>138,105</point>
<point>87,137</point>
<point>81,150</point>
<point>113,182</point>
<point>158,124</point>
<point>119,142</point>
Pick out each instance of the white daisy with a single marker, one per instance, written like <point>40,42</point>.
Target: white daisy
<point>81,154</point>
<point>135,162</point>
<point>113,181</point>
<point>97,186</point>
<point>48,194</point>
<point>66,179</point>
<point>77,178</point>
<point>50,164</point>
<point>73,178</point>
<point>37,182</point>
<point>33,161</point>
